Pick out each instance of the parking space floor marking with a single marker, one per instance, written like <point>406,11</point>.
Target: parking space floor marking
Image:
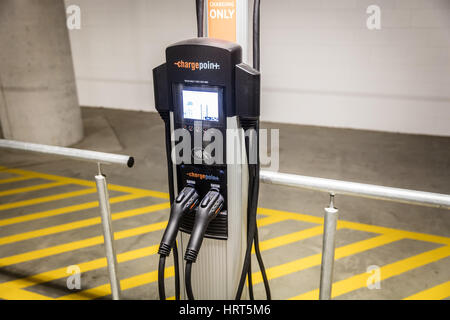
<point>80,224</point>
<point>96,264</point>
<point>128,283</point>
<point>14,289</point>
<point>59,273</point>
<point>268,221</point>
<point>406,234</point>
<point>39,200</point>
<point>41,186</point>
<point>75,245</point>
<point>438,292</point>
<point>63,210</point>
<point>358,226</point>
<point>36,254</point>
<point>125,284</point>
<point>86,183</point>
<point>315,260</point>
<point>290,238</point>
<point>391,270</point>
<point>271,243</point>
<point>17,294</point>
<point>291,215</point>
<point>15,179</point>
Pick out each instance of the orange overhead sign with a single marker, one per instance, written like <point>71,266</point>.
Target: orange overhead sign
<point>222,19</point>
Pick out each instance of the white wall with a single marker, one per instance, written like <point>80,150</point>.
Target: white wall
<point>320,64</point>
<point>118,45</point>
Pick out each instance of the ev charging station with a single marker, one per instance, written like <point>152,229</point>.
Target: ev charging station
<point>204,94</point>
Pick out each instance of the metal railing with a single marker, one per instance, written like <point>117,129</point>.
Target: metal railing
<point>102,191</point>
<point>77,154</point>
<point>334,187</point>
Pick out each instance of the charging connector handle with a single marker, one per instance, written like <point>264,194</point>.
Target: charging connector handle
<point>185,202</point>
<point>207,210</point>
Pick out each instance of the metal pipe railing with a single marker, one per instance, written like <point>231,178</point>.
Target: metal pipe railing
<point>77,154</point>
<point>356,189</point>
<point>102,191</point>
<point>328,245</point>
<point>331,213</point>
<point>108,235</point>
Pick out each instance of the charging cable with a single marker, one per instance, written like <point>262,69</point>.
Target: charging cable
<point>185,202</point>
<point>207,210</point>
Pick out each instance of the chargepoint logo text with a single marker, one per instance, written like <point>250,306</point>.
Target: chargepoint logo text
<point>196,65</point>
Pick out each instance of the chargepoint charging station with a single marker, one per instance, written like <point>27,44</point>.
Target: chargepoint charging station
<point>210,101</point>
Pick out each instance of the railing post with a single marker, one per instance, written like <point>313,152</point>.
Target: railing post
<point>329,233</point>
<point>108,235</point>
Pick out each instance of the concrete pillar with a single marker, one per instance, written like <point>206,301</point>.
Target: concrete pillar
<point>38,96</point>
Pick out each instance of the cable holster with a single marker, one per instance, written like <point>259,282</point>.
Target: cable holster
<point>207,210</point>
<point>185,202</point>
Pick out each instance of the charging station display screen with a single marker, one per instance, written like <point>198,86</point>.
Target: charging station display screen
<point>200,105</point>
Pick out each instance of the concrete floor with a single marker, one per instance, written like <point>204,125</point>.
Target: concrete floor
<point>397,160</point>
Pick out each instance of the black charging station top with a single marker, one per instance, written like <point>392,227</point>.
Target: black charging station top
<point>209,62</point>
<point>212,42</point>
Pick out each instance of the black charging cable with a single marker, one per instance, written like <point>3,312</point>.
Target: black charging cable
<point>251,126</point>
<point>254,208</point>
<point>185,202</point>
<point>254,168</point>
<point>248,124</point>
<point>207,210</point>
<point>188,275</point>
<point>200,9</point>
<point>165,116</point>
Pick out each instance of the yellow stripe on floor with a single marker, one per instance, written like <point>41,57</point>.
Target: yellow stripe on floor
<point>15,179</point>
<point>290,238</point>
<point>17,294</point>
<point>125,284</point>
<point>438,292</point>
<point>357,226</point>
<point>39,200</point>
<point>80,224</point>
<point>268,221</point>
<point>315,260</point>
<point>291,215</point>
<point>67,247</point>
<point>63,210</point>
<point>86,183</point>
<point>6,287</point>
<point>391,270</point>
<point>31,188</point>
<point>406,234</point>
